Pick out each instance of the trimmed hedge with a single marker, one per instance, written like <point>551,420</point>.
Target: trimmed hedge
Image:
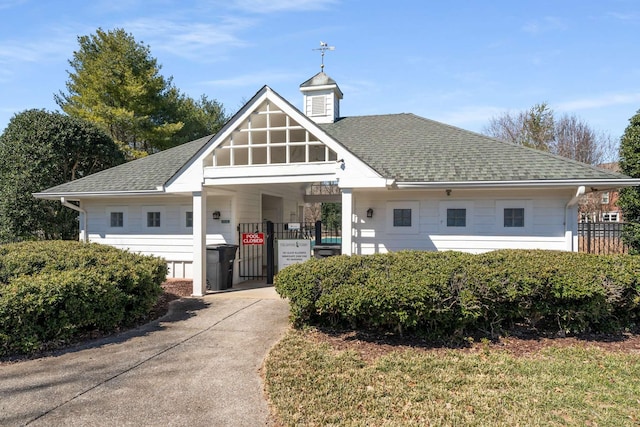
<point>53,291</point>
<point>445,293</point>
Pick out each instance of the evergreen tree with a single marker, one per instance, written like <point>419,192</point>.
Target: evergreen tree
<point>629,200</point>
<point>39,150</point>
<point>116,84</point>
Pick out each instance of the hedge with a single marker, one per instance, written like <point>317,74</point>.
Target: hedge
<point>445,293</point>
<point>51,292</point>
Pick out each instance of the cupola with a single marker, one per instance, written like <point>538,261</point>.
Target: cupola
<point>321,98</point>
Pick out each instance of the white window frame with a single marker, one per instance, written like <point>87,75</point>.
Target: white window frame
<point>611,216</point>
<point>457,204</point>
<point>415,217</point>
<point>501,205</point>
<point>163,218</point>
<point>125,217</point>
<point>604,198</point>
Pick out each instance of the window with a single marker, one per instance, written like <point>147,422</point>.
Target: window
<point>605,198</point>
<point>514,217</point>
<point>456,217</point>
<point>402,217</point>
<point>610,217</point>
<point>153,219</point>
<point>188,219</point>
<point>116,219</point>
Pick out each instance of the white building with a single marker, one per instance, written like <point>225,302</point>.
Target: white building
<point>426,185</point>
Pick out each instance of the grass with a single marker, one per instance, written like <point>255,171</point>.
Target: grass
<point>311,384</point>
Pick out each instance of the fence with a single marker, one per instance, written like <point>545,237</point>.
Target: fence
<point>601,238</point>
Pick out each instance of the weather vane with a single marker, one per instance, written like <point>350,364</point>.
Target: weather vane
<point>323,48</point>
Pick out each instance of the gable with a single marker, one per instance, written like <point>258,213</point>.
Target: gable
<point>269,140</point>
<point>269,136</point>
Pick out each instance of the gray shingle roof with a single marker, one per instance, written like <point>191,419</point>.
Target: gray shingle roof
<point>404,147</point>
<point>146,174</point>
<point>409,148</point>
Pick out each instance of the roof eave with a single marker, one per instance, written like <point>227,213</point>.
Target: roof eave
<point>592,184</point>
<point>89,195</point>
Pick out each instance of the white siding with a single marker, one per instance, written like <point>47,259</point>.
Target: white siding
<point>484,230</point>
<point>173,241</point>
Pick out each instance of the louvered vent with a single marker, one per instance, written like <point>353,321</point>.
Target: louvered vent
<point>318,105</point>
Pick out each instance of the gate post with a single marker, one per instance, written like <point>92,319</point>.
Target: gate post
<point>318,232</point>
<point>270,253</point>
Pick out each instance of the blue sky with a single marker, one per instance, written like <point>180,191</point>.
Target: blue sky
<point>460,61</point>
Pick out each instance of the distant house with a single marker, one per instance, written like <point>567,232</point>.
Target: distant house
<point>405,182</point>
<point>601,205</point>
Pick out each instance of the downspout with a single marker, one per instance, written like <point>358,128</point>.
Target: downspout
<point>579,193</point>
<point>77,208</point>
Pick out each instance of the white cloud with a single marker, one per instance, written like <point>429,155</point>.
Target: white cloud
<point>605,100</point>
<point>270,6</point>
<point>623,16</point>
<point>188,39</point>
<point>16,51</point>
<point>546,24</point>
<point>8,4</point>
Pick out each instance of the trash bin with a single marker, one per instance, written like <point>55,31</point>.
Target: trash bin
<point>323,251</point>
<point>220,260</point>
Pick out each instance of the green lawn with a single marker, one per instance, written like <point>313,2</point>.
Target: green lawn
<point>310,384</point>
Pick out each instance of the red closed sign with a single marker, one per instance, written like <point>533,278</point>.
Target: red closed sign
<point>253,238</point>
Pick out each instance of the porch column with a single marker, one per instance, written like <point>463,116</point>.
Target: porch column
<point>199,243</point>
<point>347,221</point>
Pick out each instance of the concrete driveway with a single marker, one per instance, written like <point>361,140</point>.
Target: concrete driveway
<point>197,366</point>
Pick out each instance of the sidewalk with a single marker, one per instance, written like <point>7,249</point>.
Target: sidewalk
<point>197,366</point>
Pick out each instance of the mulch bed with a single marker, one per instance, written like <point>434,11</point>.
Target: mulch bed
<point>371,346</point>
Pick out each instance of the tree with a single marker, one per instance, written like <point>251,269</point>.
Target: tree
<point>116,84</point>
<point>200,118</point>
<point>629,200</point>
<point>566,136</point>
<point>38,150</point>
<point>532,128</point>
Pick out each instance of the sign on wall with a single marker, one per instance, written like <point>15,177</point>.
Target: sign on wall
<point>253,238</point>
<point>293,252</point>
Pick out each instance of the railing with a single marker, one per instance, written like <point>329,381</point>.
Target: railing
<point>601,238</point>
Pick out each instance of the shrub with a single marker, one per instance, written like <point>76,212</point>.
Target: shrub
<point>443,293</point>
<point>51,292</point>
<point>399,291</point>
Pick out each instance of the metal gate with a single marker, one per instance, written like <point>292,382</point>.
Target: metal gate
<point>257,244</point>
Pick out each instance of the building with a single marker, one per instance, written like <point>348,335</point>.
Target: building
<point>601,205</point>
<point>405,182</point>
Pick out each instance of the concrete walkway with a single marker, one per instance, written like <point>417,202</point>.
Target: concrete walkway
<point>197,366</point>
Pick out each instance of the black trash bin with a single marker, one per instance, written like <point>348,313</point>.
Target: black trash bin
<point>220,260</point>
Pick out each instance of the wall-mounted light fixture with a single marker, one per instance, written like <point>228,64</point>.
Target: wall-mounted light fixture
<point>448,192</point>
<point>216,215</point>
<point>369,213</point>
